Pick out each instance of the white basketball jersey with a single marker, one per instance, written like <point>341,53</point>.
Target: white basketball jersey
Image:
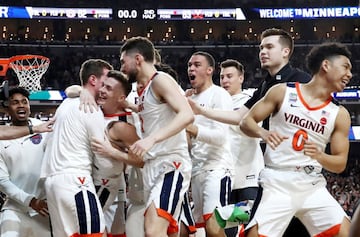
<point>299,121</point>
<point>116,168</point>
<point>153,116</point>
<point>247,153</point>
<point>215,152</point>
<point>133,97</point>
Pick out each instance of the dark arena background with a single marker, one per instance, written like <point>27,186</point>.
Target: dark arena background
<point>69,32</point>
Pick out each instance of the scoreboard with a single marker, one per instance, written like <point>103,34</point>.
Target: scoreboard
<point>182,14</point>
<point>201,14</point>
<point>28,12</point>
<point>55,13</point>
<point>107,13</point>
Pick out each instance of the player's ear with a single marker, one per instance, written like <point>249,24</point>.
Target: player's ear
<point>121,98</point>
<point>241,78</point>
<point>325,64</point>
<point>286,52</point>
<point>92,80</point>
<point>138,58</point>
<point>210,70</point>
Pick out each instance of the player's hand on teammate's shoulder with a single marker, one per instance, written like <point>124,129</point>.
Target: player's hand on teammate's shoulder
<point>189,92</point>
<point>87,101</point>
<point>73,91</point>
<point>44,127</point>
<point>196,108</point>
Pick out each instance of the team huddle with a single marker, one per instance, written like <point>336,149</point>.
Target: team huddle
<point>131,154</point>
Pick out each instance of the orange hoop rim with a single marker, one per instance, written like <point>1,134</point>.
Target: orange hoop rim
<point>27,56</point>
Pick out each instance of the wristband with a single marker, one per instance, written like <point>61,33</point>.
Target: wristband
<point>30,126</point>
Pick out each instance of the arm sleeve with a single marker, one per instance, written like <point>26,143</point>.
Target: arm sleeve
<point>10,189</point>
<point>213,132</point>
<point>96,125</point>
<point>214,136</point>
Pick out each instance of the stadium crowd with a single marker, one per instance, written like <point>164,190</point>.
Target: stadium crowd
<point>345,187</point>
<point>66,61</point>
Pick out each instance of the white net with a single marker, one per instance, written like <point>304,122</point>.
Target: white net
<point>29,70</point>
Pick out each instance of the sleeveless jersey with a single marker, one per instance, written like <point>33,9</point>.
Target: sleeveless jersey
<point>299,121</point>
<point>133,97</point>
<point>116,168</point>
<point>153,116</point>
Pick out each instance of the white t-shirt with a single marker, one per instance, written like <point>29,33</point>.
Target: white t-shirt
<point>20,163</point>
<point>69,149</point>
<point>249,160</point>
<point>211,148</point>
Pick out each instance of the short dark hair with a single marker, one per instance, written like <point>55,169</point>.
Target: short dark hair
<point>324,51</point>
<point>140,45</point>
<point>122,79</point>
<point>93,67</point>
<point>233,63</point>
<point>209,58</point>
<point>285,38</point>
<point>19,90</point>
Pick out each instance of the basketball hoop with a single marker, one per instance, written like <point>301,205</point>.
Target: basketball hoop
<point>29,70</point>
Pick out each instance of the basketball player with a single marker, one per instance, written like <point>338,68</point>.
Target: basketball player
<point>304,118</point>
<point>246,151</point>
<point>213,163</point>
<point>276,48</point>
<point>110,184</point>
<point>111,105</point>
<point>25,212</point>
<point>164,113</point>
<point>74,207</point>
<point>136,194</point>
